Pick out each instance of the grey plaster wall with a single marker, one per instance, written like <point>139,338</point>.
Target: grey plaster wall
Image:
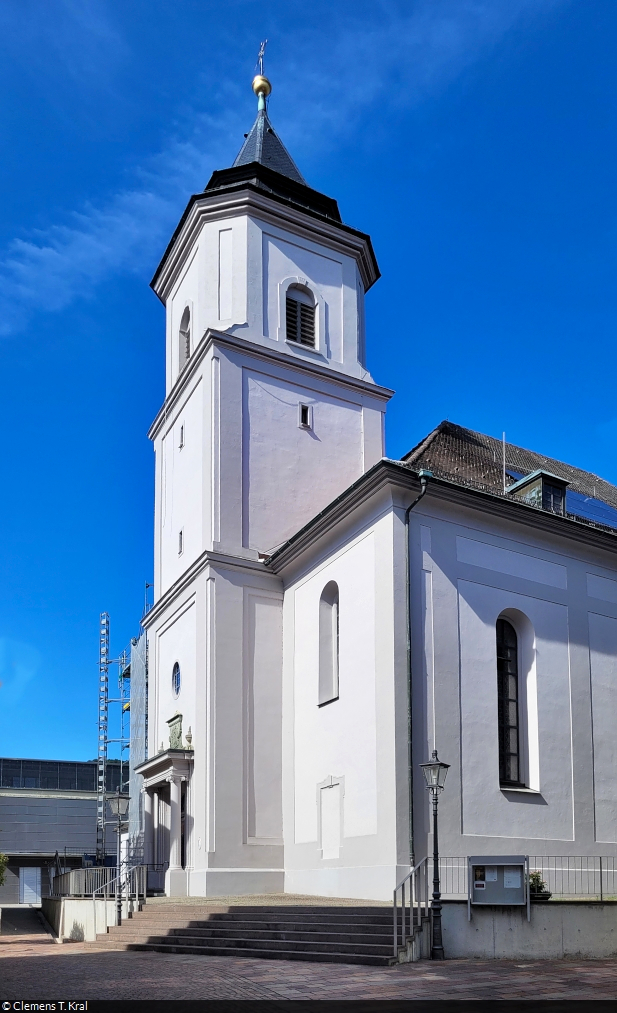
<point>468,568</point>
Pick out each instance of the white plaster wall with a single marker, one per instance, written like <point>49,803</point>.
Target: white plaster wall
<point>488,811</point>
<point>467,568</point>
<point>306,467</point>
<point>182,507</point>
<point>213,282</point>
<point>338,739</point>
<point>186,293</point>
<point>175,641</point>
<point>603,657</point>
<point>321,270</point>
<point>233,278</point>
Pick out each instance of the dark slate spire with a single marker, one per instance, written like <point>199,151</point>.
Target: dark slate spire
<point>263,145</point>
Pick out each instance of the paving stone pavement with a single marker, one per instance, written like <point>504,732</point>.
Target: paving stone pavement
<point>37,971</point>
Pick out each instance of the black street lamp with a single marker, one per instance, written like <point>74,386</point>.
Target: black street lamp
<point>435,777</point>
<point>119,805</point>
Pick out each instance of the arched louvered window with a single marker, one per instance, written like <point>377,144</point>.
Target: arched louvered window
<point>328,643</point>
<point>508,704</point>
<point>184,340</point>
<point>300,316</point>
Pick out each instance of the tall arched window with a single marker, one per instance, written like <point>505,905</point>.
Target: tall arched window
<point>508,704</point>
<point>328,643</point>
<point>300,315</point>
<point>184,340</point>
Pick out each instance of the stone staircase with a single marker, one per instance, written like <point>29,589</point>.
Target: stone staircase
<point>338,933</point>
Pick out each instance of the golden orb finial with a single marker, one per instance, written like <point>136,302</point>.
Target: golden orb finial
<point>261,85</point>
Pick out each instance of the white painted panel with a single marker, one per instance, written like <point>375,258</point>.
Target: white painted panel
<point>603,657</point>
<point>340,736</point>
<point>516,564</point>
<point>264,675</point>
<point>601,587</point>
<point>330,799</point>
<point>486,809</point>
<point>29,886</point>
<point>225,274</point>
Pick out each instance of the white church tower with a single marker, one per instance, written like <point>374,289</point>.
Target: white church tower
<point>269,414</point>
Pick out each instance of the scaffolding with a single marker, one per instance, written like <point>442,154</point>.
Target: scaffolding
<point>101,771</point>
<point>104,740</point>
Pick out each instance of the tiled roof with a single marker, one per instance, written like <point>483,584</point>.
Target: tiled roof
<point>265,146</point>
<point>473,459</point>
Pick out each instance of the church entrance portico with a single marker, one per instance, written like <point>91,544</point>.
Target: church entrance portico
<point>166,786</point>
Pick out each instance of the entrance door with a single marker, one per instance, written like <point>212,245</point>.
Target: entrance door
<point>29,886</point>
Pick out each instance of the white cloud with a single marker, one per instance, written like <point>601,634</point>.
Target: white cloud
<point>350,63</point>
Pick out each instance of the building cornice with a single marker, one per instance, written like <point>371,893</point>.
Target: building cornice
<point>219,339</point>
<point>250,199</point>
<point>393,473</point>
<point>210,557</point>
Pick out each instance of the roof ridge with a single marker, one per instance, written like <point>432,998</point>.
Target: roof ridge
<point>425,443</point>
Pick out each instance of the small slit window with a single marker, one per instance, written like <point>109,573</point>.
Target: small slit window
<point>329,644</point>
<point>305,416</point>
<point>300,316</point>
<point>184,340</point>
<point>508,704</point>
<point>181,438</point>
<point>176,680</point>
<point>180,542</point>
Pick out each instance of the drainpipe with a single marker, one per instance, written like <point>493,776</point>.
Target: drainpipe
<point>424,477</point>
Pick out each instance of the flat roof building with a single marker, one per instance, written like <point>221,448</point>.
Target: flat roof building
<point>46,807</point>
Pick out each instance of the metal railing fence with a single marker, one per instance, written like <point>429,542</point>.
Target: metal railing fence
<point>576,877</point>
<point>570,877</point>
<point>410,904</point>
<point>82,882</point>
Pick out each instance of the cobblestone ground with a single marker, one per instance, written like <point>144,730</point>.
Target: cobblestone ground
<point>36,970</point>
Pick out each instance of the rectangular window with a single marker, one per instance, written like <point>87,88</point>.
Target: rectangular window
<point>180,542</point>
<point>305,416</point>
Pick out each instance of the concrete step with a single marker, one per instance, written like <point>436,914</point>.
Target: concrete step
<point>330,956</point>
<point>383,948</point>
<point>349,934</point>
<point>342,933</point>
<point>335,940</point>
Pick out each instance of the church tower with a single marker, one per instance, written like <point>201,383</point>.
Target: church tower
<point>269,414</point>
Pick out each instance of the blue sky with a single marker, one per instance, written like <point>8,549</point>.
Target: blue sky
<point>474,139</point>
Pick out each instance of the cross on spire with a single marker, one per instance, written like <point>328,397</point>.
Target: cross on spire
<point>261,54</point>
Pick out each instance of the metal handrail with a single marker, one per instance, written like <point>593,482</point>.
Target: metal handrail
<point>418,881</point>
<point>124,876</point>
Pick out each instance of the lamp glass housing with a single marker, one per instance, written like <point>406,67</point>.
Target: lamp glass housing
<point>435,772</point>
<point>118,804</point>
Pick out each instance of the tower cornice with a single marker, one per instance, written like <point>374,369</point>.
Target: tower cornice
<point>248,198</point>
<point>250,348</point>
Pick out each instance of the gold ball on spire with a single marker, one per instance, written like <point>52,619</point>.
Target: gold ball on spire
<point>261,85</point>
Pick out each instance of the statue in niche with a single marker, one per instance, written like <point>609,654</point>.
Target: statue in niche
<point>175,732</point>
